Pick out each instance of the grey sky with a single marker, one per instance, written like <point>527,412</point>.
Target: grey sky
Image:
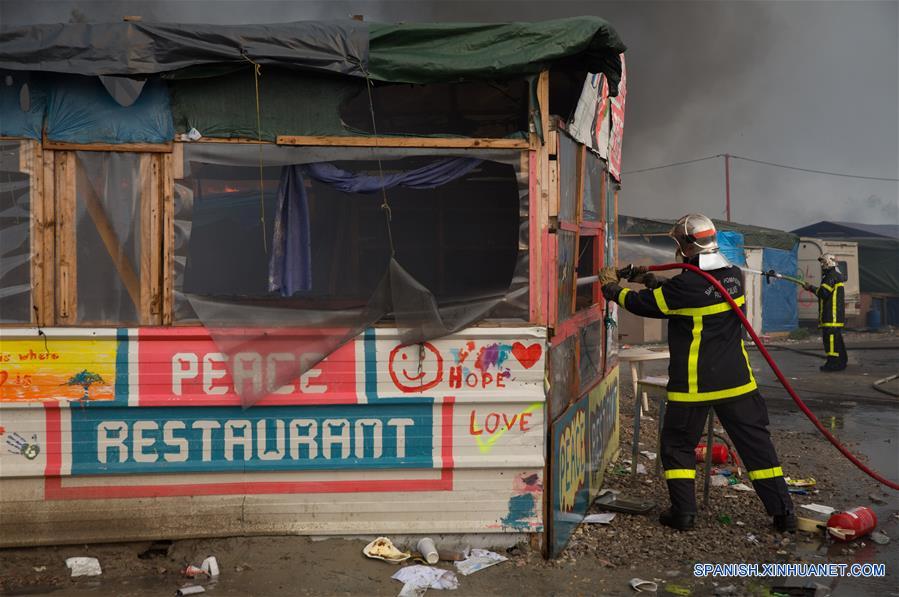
<point>813,84</point>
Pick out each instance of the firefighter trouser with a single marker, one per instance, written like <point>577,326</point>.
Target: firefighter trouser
<point>834,347</point>
<point>746,422</point>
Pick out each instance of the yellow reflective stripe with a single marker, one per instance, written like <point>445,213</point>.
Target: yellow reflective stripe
<point>693,359</point>
<point>832,325</point>
<point>681,473</point>
<point>710,310</point>
<point>748,365</point>
<point>622,294</point>
<point>716,395</point>
<point>833,299</point>
<point>660,300</point>
<point>766,473</point>
<point>828,287</point>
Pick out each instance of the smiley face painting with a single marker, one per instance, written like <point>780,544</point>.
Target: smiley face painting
<point>416,368</point>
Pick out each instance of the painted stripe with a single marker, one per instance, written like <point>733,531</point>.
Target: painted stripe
<point>716,395</point>
<point>660,300</point>
<point>622,294</point>
<point>680,473</point>
<point>693,359</point>
<point>766,473</point>
<point>748,364</point>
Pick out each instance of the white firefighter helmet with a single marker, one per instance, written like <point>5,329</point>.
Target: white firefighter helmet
<point>827,260</point>
<point>695,234</point>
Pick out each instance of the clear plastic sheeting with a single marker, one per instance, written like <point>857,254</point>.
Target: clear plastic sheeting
<point>15,236</point>
<point>458,253</point>
<point>107,236</point>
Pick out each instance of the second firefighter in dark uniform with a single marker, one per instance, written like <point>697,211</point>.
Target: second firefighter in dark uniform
<point>709,367</point>
<point>831,312</point>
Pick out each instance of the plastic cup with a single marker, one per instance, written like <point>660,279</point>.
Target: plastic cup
<point>428,550</point>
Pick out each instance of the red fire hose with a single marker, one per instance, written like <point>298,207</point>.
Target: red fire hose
<point>780,376</point>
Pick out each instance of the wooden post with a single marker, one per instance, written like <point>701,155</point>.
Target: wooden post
<point>67,258</point>
<point>150,299</point>
<point>48,237</point>
<point>539,204</point>
<point>31,162</point>
<point>168,234</point>
<point>727,186</point>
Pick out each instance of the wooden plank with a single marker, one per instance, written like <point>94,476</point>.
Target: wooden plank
<point>176,170</point>
<point>540,206</point>
<point>150,248</point>
<point>170,165</point>
<point>31,162</point>
<point>127,147</point>
<point>67,258</point>
<point>555,184</point>
<point>581,172</point>
<point>48,237</point>
<point>449,142</point>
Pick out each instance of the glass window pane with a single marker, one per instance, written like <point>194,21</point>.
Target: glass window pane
<point>107,237</point>
<point>15,236</point>
<point>593,188</point>
<point>567,261</point>
<point>590,358</point>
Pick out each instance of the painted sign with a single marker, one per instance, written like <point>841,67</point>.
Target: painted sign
<point>570,482</point>
<point>583,439</point>
<point>617,134</point>
<point>41,369</point>
<point>591,123</point>
<point>603,421</point>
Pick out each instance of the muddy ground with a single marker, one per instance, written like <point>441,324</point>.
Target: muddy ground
<point>600,559</point>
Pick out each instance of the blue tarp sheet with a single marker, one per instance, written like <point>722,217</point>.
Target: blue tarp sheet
<point>80,110</point>
<point>13,121</point>
<point>731,245</point>
<point>780,312</point>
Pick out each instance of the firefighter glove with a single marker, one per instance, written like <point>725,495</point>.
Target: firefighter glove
<point>608,275</point>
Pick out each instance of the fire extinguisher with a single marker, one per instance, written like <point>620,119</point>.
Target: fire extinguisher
<point>852,524</point>
<point>719,453</point>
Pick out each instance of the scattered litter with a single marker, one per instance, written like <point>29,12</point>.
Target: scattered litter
<point>741,487</point>
<point>752,539</point>
<point>880,538</point>
<point>39,568</point>
<point>808,482</point>
<point>479,559</point>
<point>724,519</point>
<point>732,496</point>
<point>819,508</point>
<point>191,135</point>
<point>83,566</point>
<point>649,455</point>
<point>719,481</point>
<point>675,589</point>
<point>641,469</point>
<point>610,501</point>
<point>383,548</point>
<point>877,499</point>
<point>454,556</point>
<point>640,585</point>
<point>418,579</point>
<point>210,566</point>
<point>797,491</point>
<point>740,523</point>
<point>192,571</point>
<point>808,525</point>
<point>191,590</point>
<point>601,518</point>
<point>428,550</point>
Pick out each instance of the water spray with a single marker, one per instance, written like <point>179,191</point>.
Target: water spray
<point>776,275</point>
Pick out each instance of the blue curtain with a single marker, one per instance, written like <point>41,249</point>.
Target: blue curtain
<point>290,266</point>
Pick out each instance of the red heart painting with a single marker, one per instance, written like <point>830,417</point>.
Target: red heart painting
<point>527,355</point>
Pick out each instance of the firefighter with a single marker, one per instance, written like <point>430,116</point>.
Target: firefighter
<point>831,312</point>
<point>708,367</point>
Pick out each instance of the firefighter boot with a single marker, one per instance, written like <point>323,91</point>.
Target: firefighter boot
<point>785,523</point>
<point>677,520</point>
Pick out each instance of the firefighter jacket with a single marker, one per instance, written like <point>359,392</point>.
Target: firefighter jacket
<point>831,300</point>
<point>708,360</point>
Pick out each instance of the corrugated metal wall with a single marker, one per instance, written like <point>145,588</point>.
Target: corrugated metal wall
<point>136,433</point>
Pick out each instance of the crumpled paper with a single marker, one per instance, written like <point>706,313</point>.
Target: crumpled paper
<point>418,579</point>
<point>83,566</point>
<point>478,559</point>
